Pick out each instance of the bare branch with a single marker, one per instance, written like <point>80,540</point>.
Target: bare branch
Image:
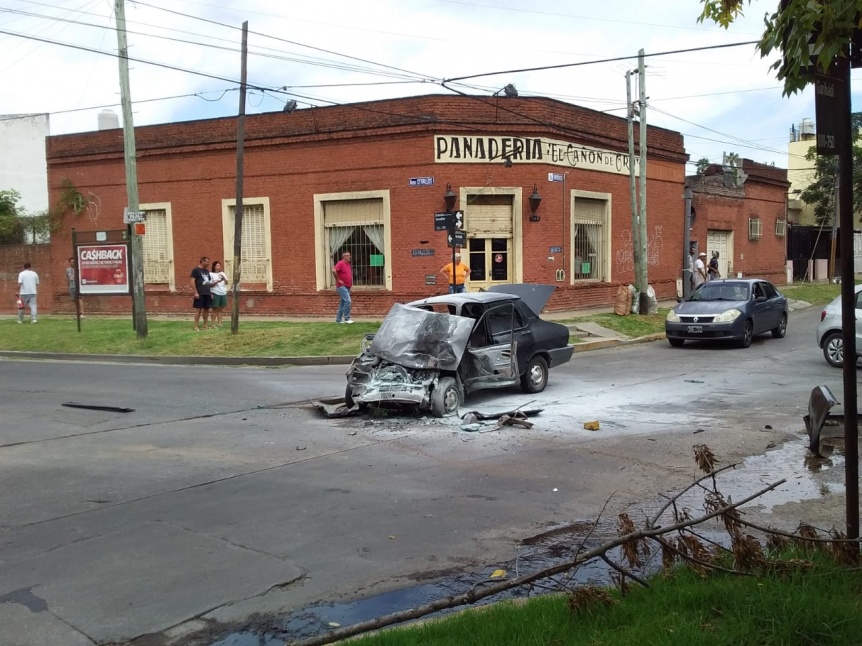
<point>623,571</point>
<point>651,523</point>
<point>691,559</point>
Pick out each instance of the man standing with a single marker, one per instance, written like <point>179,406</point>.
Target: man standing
<point>700,270</point>
<point>73,287</point>
<point>203,302</point>
<point>343,274</point>
<point>461,272</point>
<point>27,281</point>
<point>712,270</point>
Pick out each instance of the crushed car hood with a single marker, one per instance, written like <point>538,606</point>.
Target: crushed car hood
<point>534,296</point>
<point>422,340</point>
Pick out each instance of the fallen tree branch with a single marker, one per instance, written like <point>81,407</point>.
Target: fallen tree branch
<point>474,595</point>
<point>691,559</point>
<point>651,522</point>
<point>623,571</point>
<point>797,537</point>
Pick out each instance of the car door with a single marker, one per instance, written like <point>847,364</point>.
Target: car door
<point>762,311</point>
<point>492,351</point>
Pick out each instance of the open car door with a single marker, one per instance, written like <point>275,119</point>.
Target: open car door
<point>491,358</point>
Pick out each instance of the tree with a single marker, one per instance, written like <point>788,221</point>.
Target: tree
<point>702,165</point>
<point>788,30</point>
<point>821,192</point>
<point>11,226</point>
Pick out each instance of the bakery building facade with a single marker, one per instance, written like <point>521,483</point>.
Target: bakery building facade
<point>543,186</point>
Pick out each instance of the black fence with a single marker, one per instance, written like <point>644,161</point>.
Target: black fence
<point>806,243</point>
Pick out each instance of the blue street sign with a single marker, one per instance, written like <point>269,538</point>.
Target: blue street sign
<point>420,181</point>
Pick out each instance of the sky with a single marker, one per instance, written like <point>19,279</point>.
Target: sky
<point>60,58</point>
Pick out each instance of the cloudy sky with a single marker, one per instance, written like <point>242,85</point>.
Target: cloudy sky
<point>60,58</point>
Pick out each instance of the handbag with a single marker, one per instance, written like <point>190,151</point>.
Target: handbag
<point>19,303</point>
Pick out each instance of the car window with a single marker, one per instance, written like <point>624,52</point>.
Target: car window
<point>858,301</point>
<point>500,320</point>
<point>758,291</point>
<point>720,291</point>
<point>769,290</point>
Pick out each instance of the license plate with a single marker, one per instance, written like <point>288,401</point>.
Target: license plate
<point>695,329</point>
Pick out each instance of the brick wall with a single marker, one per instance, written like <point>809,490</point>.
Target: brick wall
<point>12,259</point>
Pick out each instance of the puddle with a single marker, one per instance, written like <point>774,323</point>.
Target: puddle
<point>808,477</point>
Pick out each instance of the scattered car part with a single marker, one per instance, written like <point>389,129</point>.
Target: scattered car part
<point>110,409</point>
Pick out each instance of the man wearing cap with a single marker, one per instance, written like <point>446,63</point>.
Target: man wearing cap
<point>700,270</point>
<point>462,272</point>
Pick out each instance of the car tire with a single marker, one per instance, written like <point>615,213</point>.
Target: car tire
<point>781,330</point>
<point>747,334</point>
<point>445,398</point>
<point>348,397</point>
<point>833,349</point>
<point>676,343</point>
<point>535,378</point>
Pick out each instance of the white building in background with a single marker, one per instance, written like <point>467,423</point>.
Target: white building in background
<point>22,159</point>
<point>800,171</point>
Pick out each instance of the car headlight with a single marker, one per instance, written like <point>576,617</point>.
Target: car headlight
<point>672,317</point>
<point>728,316</point>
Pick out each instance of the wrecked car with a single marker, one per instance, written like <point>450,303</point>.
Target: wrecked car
<point>433,352</point>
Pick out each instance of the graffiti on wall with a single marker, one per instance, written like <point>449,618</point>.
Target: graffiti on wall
<point>624,257</point>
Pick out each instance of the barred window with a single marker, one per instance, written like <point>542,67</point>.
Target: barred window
<point>754,229</point>
<point>356,226</point>
<point>589,240</point>
<point>158,261</point>
<point>780,228</point>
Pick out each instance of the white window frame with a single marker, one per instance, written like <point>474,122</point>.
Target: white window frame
<point>607,227</point>
<point>517,194</point>
<point>166,207</point>
<point>755,229</point>
<point>321,254</point>
<point>228,231</point>
<point>780,228</point>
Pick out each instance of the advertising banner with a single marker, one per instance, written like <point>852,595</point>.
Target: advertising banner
<point>104,269</point>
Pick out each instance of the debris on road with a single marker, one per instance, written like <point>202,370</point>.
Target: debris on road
<point>334,407</point>
<point>516,419</point>
<point>110,409</point>
<point>592,426</point>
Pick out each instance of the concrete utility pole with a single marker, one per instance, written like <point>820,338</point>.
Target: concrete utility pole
<point>137,256</point>
<point>237,225</point>
<point>641,278</point>
<point>632,183</point>
<point>686,257</point>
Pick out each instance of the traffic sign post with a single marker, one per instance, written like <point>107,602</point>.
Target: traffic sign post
<point>830,97</point>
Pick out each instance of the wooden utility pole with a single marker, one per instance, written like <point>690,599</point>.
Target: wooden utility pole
<point>641,278</point>
<point>632,183</point>
<point>237,225</point>
<point>139,310</point>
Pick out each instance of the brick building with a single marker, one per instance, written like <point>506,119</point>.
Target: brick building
<point>742,214</point>
<point>368,177</point>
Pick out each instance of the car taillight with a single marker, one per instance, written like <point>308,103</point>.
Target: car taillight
<point>822,315</point>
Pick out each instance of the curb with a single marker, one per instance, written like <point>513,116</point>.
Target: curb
<point>277,362</point>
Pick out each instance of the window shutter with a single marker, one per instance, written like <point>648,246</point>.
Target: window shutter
<point>157,263</point>
<point>254,257</point>
<point>488,220</point>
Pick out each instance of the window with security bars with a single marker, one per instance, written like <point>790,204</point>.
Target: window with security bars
<point>780,228</point>
<point>356,226</point>
<point>255,258</point>
<point>755,231</point>
<point>589,239</point>
<point>158,263</point>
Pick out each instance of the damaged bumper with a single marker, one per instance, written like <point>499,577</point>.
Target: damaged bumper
<point>374,381</point>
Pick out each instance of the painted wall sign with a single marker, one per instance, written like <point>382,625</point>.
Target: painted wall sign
<point>104,269</point>
<point>430,279</point>
<point>422,252</point>
<point>469,149</point>
<point>555,250</point>
<point>420,181</point>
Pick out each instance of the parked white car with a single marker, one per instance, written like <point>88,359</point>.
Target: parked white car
<point>829,331</point>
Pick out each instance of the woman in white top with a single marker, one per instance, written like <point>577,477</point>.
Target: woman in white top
<point>218,286</point>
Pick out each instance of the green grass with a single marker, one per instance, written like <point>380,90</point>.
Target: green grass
<point>821,606</point>
<point>633,325</point>
<point>116,336</point>
<point>814,293</point>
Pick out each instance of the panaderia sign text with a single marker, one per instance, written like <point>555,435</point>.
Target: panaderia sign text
<point>472,149</point>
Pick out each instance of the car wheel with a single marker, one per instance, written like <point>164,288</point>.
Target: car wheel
<point>747,334</point>
<point>781,330</point>
<point>833,349</point>
<point>445,398</point>
<point>535,378</point>
<point>677,343</point>
<point>348,396</point>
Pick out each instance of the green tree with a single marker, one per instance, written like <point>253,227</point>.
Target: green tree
<point>821,192</point>
<point>702,165</point>
<point>788,29</point>
<point>11,227</point>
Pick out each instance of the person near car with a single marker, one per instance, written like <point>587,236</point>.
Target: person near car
<point>700,270</point>
<point>692,257</point>
<point>203,301</point>
<point>712,272</point>
<point>73,286</point>
<point>27,282</point>
<point>456,282</point>
<point>342,272</point>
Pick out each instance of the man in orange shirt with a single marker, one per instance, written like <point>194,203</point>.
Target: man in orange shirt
<point>462,272</point>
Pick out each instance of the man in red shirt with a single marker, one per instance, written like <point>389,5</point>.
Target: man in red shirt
<point>343,274</point>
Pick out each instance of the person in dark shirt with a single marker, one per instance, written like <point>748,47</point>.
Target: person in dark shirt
<point>203,302</point>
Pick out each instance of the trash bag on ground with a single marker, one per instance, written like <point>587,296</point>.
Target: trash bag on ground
<point>622,304</point>
<point>635,295</point>
<point>652,301</point>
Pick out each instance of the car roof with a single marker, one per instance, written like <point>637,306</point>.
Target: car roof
<point>747,281</point>
<point>467,297</point>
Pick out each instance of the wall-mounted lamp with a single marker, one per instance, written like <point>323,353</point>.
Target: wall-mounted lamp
<point>535,200</point>
<point>290,106</point>
<point>507,162</point>
<point>449,197</point>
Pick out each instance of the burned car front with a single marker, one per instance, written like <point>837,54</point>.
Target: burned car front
<point>412,359</point>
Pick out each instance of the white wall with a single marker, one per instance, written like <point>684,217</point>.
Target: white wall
<point>22,159</point>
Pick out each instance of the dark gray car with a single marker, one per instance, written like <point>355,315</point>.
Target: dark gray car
<point>730,310</point>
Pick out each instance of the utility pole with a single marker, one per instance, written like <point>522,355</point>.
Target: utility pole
<point>139,310</point>
<point>641,277</point>
<point>237,223</point>
<point>632,183</point>
<point>836,199</point>
<point>686,257</point>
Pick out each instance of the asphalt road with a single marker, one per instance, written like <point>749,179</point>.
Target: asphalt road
<point>224,494</point>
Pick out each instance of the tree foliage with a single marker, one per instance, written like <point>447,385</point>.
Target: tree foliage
<point>787,31</point>
<point>11,227</point>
